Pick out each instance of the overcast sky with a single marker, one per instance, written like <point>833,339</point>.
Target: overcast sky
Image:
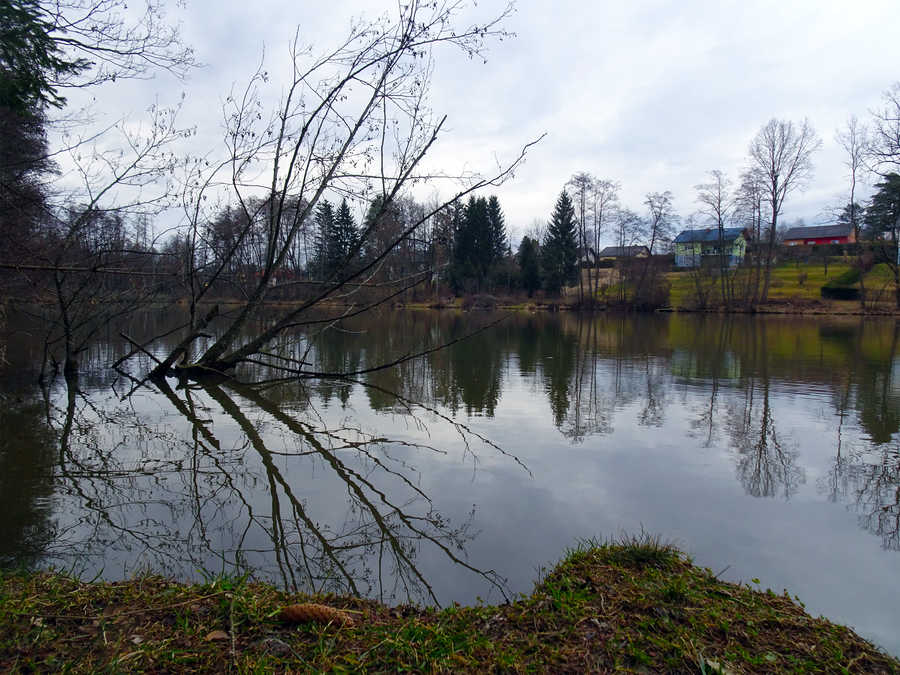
<point>652,94</point>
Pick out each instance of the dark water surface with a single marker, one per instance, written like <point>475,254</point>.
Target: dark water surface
<point>765,447</point>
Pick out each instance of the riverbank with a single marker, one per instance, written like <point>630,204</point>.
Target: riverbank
<point>636,605</point>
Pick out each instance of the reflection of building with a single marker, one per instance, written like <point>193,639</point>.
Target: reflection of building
<point>693,365</point>
<point>820,234</point>
<point>694,248</point>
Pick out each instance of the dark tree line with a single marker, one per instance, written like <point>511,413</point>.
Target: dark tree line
<point>480,245</point>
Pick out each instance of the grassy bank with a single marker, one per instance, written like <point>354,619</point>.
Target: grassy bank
<point>633,606</point>
<point>795,287</point>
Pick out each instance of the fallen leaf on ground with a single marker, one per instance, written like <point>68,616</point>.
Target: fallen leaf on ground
<point>310,612</point>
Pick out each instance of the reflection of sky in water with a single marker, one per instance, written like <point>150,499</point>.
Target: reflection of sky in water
<point>616,437</point>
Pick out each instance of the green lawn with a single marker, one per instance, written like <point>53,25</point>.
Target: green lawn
<point>790,281</point>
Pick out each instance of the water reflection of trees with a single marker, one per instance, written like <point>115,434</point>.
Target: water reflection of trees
<point>868,480</point>
<point>767,463</point>
<point>279,477</point>
<point>232,490</point>
<point>26,479</point>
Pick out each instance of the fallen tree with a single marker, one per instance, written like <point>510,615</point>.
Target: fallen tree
<point>354,122</point>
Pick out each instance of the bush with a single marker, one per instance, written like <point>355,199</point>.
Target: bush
<point>843,286</point>
<point>848,278</point>
<point>840,293</point>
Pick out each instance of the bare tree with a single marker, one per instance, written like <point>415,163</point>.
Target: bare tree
<point>91,264</point>
<point>627,228</point>
<point>113,41</point>
<point>717,205</point>
<point>355,122</point>
<point>782,152</point>
<point>884,149</point>
<point>854,139</point>
<point>660,218</point>
<point>748,211</point>
<point>582,185</point>
<point>605,206</point>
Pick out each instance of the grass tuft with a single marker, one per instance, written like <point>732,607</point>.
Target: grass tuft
<point>640,551</point>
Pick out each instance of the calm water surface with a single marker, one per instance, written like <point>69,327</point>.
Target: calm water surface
<point>764,447</point>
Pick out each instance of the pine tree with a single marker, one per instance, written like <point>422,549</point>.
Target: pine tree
<point>497,229</point>
<point>480,243</point>
<point>325,255</point>
<point>559,253</point>
<point>471,253</point>
<point>345,236</point>
<point>31,59</point>
<point>530,264</point>
<point>883,215</point>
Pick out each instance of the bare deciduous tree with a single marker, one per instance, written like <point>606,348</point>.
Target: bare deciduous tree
<point>660,218</point>
<point>884,150</point>
<point>354,121</point>
<point>717,205</point>
<point>115,41</point>
<point>854,139</point>
<point>782,152</point>
<point>605,206</point>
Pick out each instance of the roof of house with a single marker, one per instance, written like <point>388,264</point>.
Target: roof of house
<point>818,231</point>
<point>622,251</point>
<point>710,234</point>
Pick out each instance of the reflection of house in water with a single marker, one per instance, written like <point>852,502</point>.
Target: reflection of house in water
<point>693,365</point>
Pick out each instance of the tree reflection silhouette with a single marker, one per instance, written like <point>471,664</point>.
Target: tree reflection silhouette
<point>766,465</point>
<point>27,454</point>
<point>175,500</point>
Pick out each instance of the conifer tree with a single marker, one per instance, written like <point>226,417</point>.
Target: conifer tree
<point>345,235</point>
<point>559,253</point>
<point>497,228</point>
<point>529,264</point>
<point>325,254</point>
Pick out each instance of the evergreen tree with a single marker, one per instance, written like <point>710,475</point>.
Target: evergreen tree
<point>345,235</point>
<point>559,253</point>
<point>480,243</point>
<point>497,229</point>
<point>31,60</point>
<point>471,236</point>
<point>530,264</point>
<point>853,215</point>
<point>883,215</point>
<point>325,254</point>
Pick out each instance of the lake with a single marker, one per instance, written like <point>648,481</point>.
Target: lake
<point>764,447</point>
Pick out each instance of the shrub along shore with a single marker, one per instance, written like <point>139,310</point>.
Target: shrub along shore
<point>635,606</point>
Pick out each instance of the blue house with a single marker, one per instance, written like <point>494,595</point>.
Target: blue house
<point>694,247</point>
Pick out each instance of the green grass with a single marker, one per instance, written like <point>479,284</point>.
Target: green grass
<point>791,282</point>
<point>633,605</point>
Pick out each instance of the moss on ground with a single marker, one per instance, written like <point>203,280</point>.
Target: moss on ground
<point>629,606</point>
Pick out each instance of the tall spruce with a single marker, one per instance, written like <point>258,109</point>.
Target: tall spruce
<point>345,235</point>
<point>31,59</point>
<point>882,217</point>
<point>325,254</point>
<point>559,253</point>
<point>475,244</point>
<point>497,229</point>
<point>529,264</point>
